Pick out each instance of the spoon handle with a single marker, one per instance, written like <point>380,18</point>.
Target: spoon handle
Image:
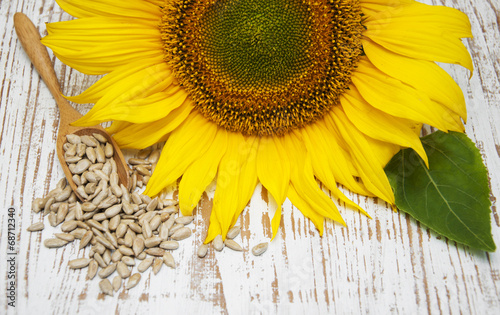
<point>37,53</point>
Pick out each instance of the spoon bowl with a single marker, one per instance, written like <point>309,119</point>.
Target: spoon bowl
<point>37,53</point>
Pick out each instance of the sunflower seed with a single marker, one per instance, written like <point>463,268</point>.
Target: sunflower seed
<point>65,237</point>
<point>175,228</point>
<point>80,149</point>
<point>52,219</point>
<point>99,260</point>
<point>135,227</point>
<point>144,265</point>
<point>218,243</point>
<point>108,202</point>
<point>99,217</point>
<point>138,246</point>
<point>233,232</point>
<point>128,240</point>
<point>168,259</point>
<point>133,281</point>
<point>116,256</point>
<point>54,243</point>
<point>135,161</point>
<point>61,212</point>
<point>181,234</point>
<point>78,233</point>
<point>101,157</point>
<point>126,251</point>
<point>72,159</point>
<point>38,204</point>
<point>154,156</point>
<point>259,249</point>
<point>68,226</point>
<point>184,220</point>
<point>104,242</point>
<point>233,245</point>
<point>90,152</point>
<point>107,256</point>
<point>172,245</point>
<point>155,251</point>
<point>100,137</point>
<point>108,150</point>
<point>79,263</point>
<point>73,139</point>
<point>92,271</point>
<point>106,287</point>
<point>117,283</point>
<point>95,167</point>
<point>81,166</point>
<point>123,270</point>
<point>107,271</point>
<point>100,174</point>
<point>158,262</point>
<point>136,198</point>
<point>129,261</point>
<point>202,250</point>
<point>94,224</point>
<point>141,256</point>
<point>38,226</point>
<point>152,241</point>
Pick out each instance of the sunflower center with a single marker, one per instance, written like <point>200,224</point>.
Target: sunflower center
<point>262,67</point>
<point>255,45</point>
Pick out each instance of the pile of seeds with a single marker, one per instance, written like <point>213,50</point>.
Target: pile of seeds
<point>118,222</point>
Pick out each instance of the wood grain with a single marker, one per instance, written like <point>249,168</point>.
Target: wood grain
<point>388,264</point>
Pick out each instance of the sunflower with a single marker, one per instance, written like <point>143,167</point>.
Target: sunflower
<point>282,92</point>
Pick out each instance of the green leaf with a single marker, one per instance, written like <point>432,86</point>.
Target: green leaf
<point>452,195</point>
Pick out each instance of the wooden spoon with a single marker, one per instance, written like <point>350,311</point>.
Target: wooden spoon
<point>36,51</point>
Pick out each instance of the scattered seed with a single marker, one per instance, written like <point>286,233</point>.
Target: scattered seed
<point>218,243</point>
<point>155,251</point>
<point>54,243</point>
<point>73,139</point>
<point>202,250</point>
<point>138,246</point>
<point>79,263</point>
<point>181,234</point>
<point>106,287</point>
<point>169,245</point>
<point>158,262</point>
<point>233,232</point>
<point>117,283</point>
<point>168,259</point>
<point>184,220</point>
<point>38,226</point>
<point>144,265</point>
<point>123,270</point>
<point>233,245</point>
<point>259,249</point>
<point>133,281</point>
<point>129,261</point>
<point>65,237</point>
<point>107,271</point>
<point>92,270</point>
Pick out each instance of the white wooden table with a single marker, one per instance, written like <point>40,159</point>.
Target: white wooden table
<point>389,264</point>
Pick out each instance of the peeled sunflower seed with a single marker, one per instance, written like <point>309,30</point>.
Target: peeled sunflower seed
<point>133,281</point>
<point>158,262</point>
<point>117,283</point>
<point>79,263</point>
<point>184,220</point>
<point>202,250</point>
<point>259,249</point>
<point>92,270</point>
<point>233,245</point>
<point>105,272</point>
<point>218,243</point>
<point>169,245</point>
<point>168,259</point>
<point>54,243</point>
<point>181,234</point>
<point>38,226</point>
<point>144,265</point>
<point>106,287</point>
<point>65,237</point>
<point>123,270</point>
<point>233,232</point>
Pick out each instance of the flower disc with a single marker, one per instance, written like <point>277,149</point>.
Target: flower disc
<point>262,67</point>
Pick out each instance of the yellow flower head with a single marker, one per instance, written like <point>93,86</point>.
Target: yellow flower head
<point>281,92</point>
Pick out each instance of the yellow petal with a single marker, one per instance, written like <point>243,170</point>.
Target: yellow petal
<point>236,181</point>
<point>371,171</point>
<point>306,209</point>
<point>423,32</point>
<point>370,7</point>
<point>423,75</point>
<point>273,170</point>
<point>184,146</point>
<point>201,173</point>
<point>111,8</point>
<point>398,99</point>
<point>302,178</point>
<point>116,78</point>
<point>139,110</point>
<point>139,136</point>
<point>322,156</point>
<point>379,125</point>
